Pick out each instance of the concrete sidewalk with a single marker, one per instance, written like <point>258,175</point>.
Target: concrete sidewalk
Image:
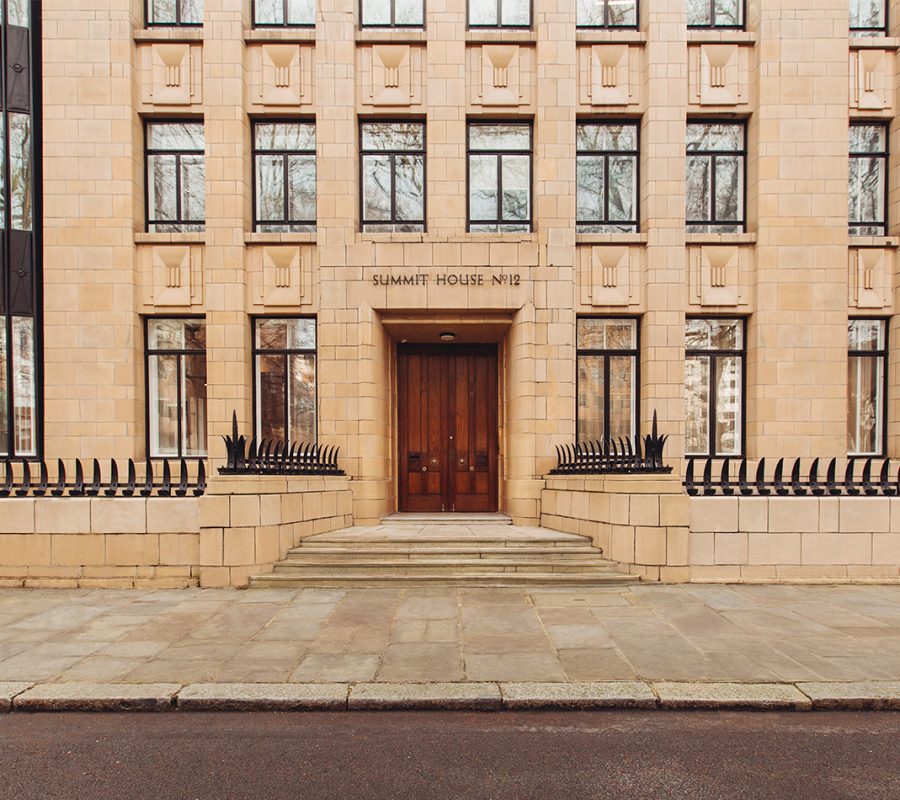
<point>649,635</point>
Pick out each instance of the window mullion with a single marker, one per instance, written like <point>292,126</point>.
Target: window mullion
<point>287,400</point>
<point>393,158</point>
<point>499,192</point>
<point>714,167</point>
<point>286,190</point>
<point>179,400</point>
<point>606,189</point>
<point>607,427</point>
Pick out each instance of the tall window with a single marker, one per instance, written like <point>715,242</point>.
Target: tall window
<point>606,13</point>
<point>716,176</point>
<point>499,177</point>
<point>868,17</point>
<point>284,13</point>
<point>715,13</point>
<point>284,358</point>
<point>175,177</point>
<point>284,161</point>
<point>868,179</point>
<point>176,387</point>
<point>607,378</point>
<point>499,13</point>
<point>866,386</point>
<point>714,387</point>
<point>393,13</point>
<point>607,177</point>
<point>393,176</point>
<point>20,227</point>
<point>174,12</point>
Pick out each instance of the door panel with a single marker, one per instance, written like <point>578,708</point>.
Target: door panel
<point>447,420</point>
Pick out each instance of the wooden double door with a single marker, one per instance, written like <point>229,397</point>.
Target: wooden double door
<point>447,425</point>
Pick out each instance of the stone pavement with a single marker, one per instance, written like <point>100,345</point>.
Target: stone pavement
<point>691,633</point>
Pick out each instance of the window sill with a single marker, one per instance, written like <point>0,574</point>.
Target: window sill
<point>144,237</point>
<point>720,238</point>
<point>289,35</point>
<point>875,241</point>
<point>500,36</point>
<point>874,43</point>
<point>263,237</point>
<point>392,35</point>
<point>721,37</point>
<point>610,36</point>
<point>371,236</point>
<point>611,238</point>
<point>174,34</point>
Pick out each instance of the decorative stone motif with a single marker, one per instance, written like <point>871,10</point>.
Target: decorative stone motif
<point>172,74</point>
<point>610,275</point>
<point>173,275</point>
<point>869,277</point>
<point>281,275</point>
<point>719,275</point>
<point>392,75</point>
<point>609,75</point>
<point>871,79</point>
<point>281,74</point>
<point>719,75</point>
<point>501,75</point>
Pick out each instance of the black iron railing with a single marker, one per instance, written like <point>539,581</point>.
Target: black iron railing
<point>875,479</point>
<point>640,455</point>
<point>274,457</point>
<point>32,479</point>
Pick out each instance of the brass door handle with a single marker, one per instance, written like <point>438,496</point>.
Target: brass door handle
<point>424,469</point>
<point>471,469</point>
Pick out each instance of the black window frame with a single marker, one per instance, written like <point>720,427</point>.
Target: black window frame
<point>471,123</point>
<point>257,351</point>
<point>881,30</point>
<point>636,153</point>
<point>742,6</point>
<point>606,354</point>
<point>500,25</point>
<point>304,226</point>
<point>739,223</point>
<point>885,156</point>
<point>277,25</point>
<point>193,226</point>
<point>885,383</point>
<point>713,356</point>
<point>393,154</point>
<point>606,24</point>
<point>393,24</point>
<point>148,352</point>
<point>177,24</point>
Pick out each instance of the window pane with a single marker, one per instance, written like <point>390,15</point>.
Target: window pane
<point>697,334</point>
<point>409,12</point>
<point>193,423</point>
<point>161,11</point>
<point>728,405</point>
<point>377,188</point>
<point>23,366</point>
<point>393,136</point>
<point>866,334</point>
<point>17,12</point>
<point>176,334</point>
<point>270,188</point>
<point>864,398</point>
<point>176,136</point>
<point>161,195</point>
<point>410,187</point>
<point>590,398</point>
<point>589,179</point>
<point>621,396</point>
<point>376,12</point>
<point>499,137</point>
<point>698,188</point>
<point>20,177</point>
<point>696,373</point>
<point>728,13</point>
<point>193,188</point>
<point>194,334</point>
<point>2,176</point>
<point>302,334</point>
<point>302,398</point>
<point>483,187</point>
<point>868,138</point>
<point>302,188</point>
<point>269,12</point>
<point>516,188</point>
<point>866,190</point>
<point>295,136</point>
<point>606,137</point>
<point>4,394</point>
<point>622,188</point>
<point>302,12</point>
<point>272,334</point>
<point>163,405</point>
<point>867,13</point>
<point>591,333</point>
<point>726,334</point>
<point>698,12</point>
<point>589,13</point>
<point>621,334</point>
<point>622,12</point>
<point>704,136</point>
<point>192,11</point>
<point>729,188</point>
<point>516,12</point>
<point>270,389</point>
<point>482,12</point>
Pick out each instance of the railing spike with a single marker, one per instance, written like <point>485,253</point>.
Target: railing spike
<point>43,481</point>
<point>885,479</point>
<point>60,488</point>
<point>796,486</point>
<point>77,489</point>
<point>708,487</point>
<point>745,488</point>
<point>113,487</point>
<point>165,489</point>
<point>868,488</point>
<point>814,486</point>
<point>831,478</point>
<point>778,479</point>
<point>128,491</point>
<point>8,482</point>
<point>147,489</point>
<point>200,488</point>
<point>762,488</point>
<point>25,484</point>
<point>182,489</point>
<point>850,486</point>
<point>725,479</point>
<point>689,486</point>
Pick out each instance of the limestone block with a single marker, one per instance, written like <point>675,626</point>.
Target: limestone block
<point>716,514</point>
<point>171,73</point>
<point>267,543</point>
<point>774,548</point>
<point>719,74</point>
<point>649,545</point>
<point>291,507</point>
<point>132,549</point>
<point>702,548</point>
<point>886,548</point>
<point>245,511</point>
<point>118,515</point>
<point>77,549</point>
<point>731,548</point>
<point>215,577</point>
<point>677,547</point>
<point>391,75</point>
<point>239,546</point>
<point>865,515</point>
<point>609,75</point>
<point>621,546</point>
<point>836,548</point>
<point>179,548</point>
<point>281,74</point>
<point>793,514</point>
<point>829,514</point>
<point>214,511</point>
<point>674,510</point>
<point>171,275</point>
<point>270,509</point>
<point>173,514</point>
<point>598,507</point>
<point>870,278</point>
<point>871,80</point>
<point>17,515</point>
<point>62,515</point>
<point>211,547</point>
<point>753,514</point>
<point>24,550</point>
<point>500,75</point>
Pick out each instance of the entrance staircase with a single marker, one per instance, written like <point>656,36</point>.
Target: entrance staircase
<point>443,550</point>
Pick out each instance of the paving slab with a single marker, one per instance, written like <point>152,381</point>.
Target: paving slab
<point>263,697</point>
<point>98,697</point>
<point>768,696</point>
<point>853,695</point>
<point>8,690</point>
<point>610,694</point>
<point>459,696</point>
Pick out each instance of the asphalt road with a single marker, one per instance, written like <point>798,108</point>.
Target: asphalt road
<point>564,756</point>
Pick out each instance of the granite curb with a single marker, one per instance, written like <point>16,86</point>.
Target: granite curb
<point>484,696</point>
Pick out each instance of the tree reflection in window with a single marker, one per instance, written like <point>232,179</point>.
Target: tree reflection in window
<point>606,14</point>
<point>716,173</point>
<point>499,13</point>
<point>284,158</point>
<point>175,12</point>
<point>868,17</point>
<point>393,13</point>
<point>868,173</point>
<point>284,13</point>
<point>866,364</point>
<point>499,177</point>
<point>393,176</point>
<point>715,13</point>
<point>176,177</point>
<point>606,177</point>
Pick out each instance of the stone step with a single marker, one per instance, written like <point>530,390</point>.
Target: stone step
<point>428,541</point>
<point>446,518</point>
<point>493,579</point>
<point>337,555</point>
<point>301,566</point>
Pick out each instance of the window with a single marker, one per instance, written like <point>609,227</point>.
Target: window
<point>607,177</point>
<point>393,13</point>
<point>18,409</point>
<point>499,177</point>
<point>606,13</point>
<point>284,370</point>
<point>715,13</point>
<point>714,387</point>
<point>284,13</point>
<point>175,177</point>
<point>868,18</point>
<point>499,13</point>
<point>393,176</point>
<point>607,378</point>
<point>716,165</point>
<point>284,174</point>
<point>866,386</point>
<point>174,12</point>
<point>868,179</point>
<point>176,387</point>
